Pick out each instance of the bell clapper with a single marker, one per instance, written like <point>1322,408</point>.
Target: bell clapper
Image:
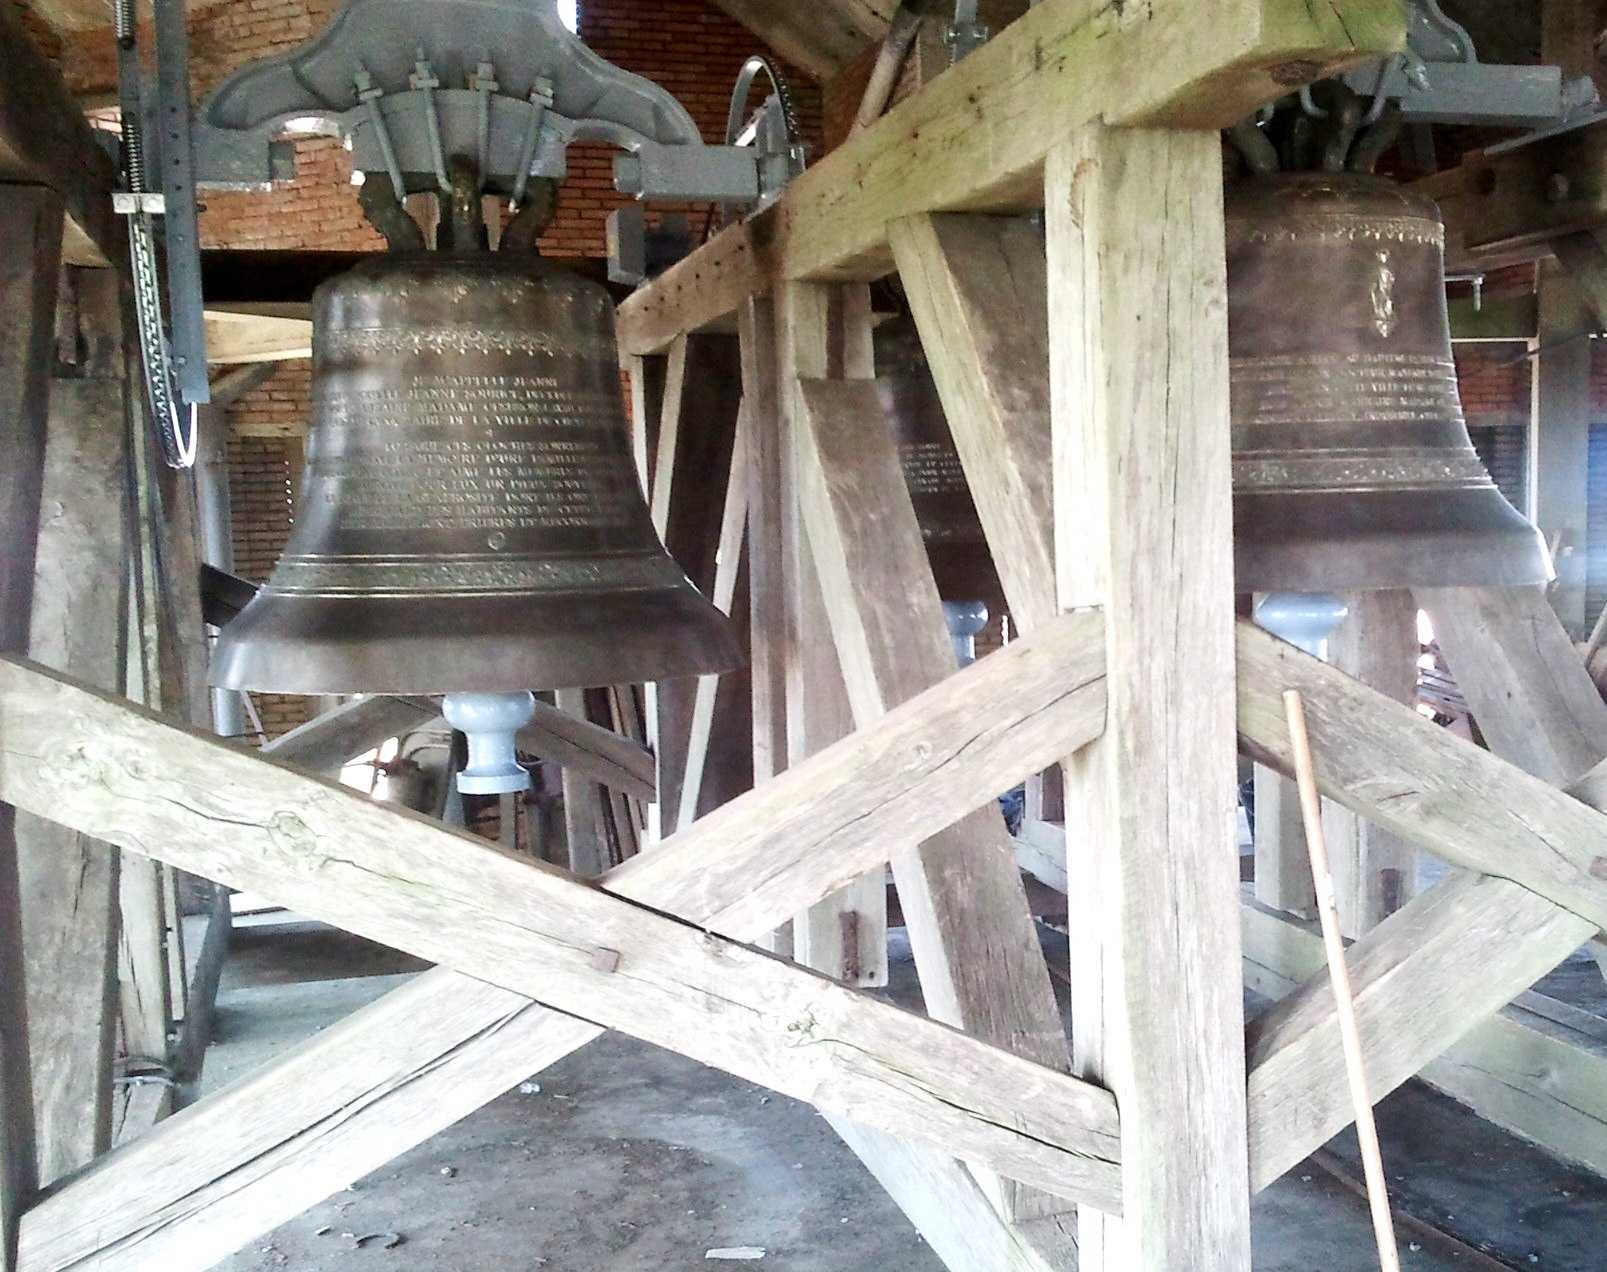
<point>1304,619</point>
<point>965,619</point>
<point>489,721</point>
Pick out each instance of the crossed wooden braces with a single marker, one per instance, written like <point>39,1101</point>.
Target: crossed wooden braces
<point>1117,571</point>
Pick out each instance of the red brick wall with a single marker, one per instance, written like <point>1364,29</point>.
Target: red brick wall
<point>261,473</point>
<point>1495,382</point>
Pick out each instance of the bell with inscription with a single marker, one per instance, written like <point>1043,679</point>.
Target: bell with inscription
<point>471,520</point>
<point>944,509</point>
<point>1352,466</point>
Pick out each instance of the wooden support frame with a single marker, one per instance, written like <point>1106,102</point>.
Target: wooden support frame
<point>975,139</point>
<point>964,906</point>
<point>180,1197</point>
<point>331,853</point>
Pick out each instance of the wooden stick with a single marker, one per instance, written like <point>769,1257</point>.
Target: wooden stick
<point>1328,912</point>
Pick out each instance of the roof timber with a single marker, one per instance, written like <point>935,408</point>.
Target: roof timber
<point>975,137</point>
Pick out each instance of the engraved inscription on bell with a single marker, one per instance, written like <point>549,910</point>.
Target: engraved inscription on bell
<point>535,455</point>
<point>470,515</point>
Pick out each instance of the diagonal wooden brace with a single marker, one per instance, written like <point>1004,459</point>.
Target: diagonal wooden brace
<point>1393,766</point>
<point>1464,949</point>
<point>341,1117</point>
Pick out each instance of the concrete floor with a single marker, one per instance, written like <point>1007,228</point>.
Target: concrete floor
<point>629,1157</point>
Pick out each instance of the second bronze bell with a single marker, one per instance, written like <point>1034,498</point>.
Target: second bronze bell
<point>471,518</point>
<point>1352,467</point>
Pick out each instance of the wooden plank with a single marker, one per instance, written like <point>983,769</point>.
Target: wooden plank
<point>980,293</point>
<point>975,138</point>
<point>333,854</point>
<point>1470,944</point>
<point>822,38</point>
<point>31,222</point>
<point>1523,680</point>
<point>1375,871</point>
<point>969,924</point>
<point>326,742</point>
<point>70,883</point>
<point>1397,768</point>
<point>729,567</point>
<point>233,338</point>
<point>1528,1074</point>
<point>821,331</point>
<point>954,1214</point>
<point>668,436</point>
<point>1143,526</point>
<point>583,835</point>
<point>187,1193</point>
<point>1282,869</point>
<point>312,1142</point>
<point>1422,979</point>
<point>45,140</point>
<point>689,506</point>
<point>766,578</point>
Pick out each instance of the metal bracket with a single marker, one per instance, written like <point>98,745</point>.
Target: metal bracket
<point>476,78</point>
<point>1440,80</point>
<point>965,35</point>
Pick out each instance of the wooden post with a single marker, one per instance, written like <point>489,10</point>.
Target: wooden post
<point>976,948</point>
<point>821,332</point>
<point>1375,872</point>
<point>1143,526</point>
<point>69,883</point>
<point>31,221</point>
<point>696,443</point>
<point>1282,869</point>
<point>1559,438</point>
<point>588,849</point>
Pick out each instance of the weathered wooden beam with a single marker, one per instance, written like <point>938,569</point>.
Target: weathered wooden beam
<point>1502,208</point>
<point>1469,945</point>
<point>820,38</point>
<point>44,140</point>
<point>212,1201</point>
<point>821,331</point>
<point>90,760</point>
<point>1421,980</point>
<point>233,337</point>
<point>30,254</point>
<point>1522,677</point>
<point>975,138</point>
<point>1523,1068</point>
<point>975,945</point>
<point>730,564</point>
<point>1374,870</point>
<point>1143,526</point>
<point>979,290</point>
<point>69,882</point>
<point>1393,766</point>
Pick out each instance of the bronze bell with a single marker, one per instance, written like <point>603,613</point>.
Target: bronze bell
<point>950,525</point>
<point>1352,467</point>
<point>470,517</point>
